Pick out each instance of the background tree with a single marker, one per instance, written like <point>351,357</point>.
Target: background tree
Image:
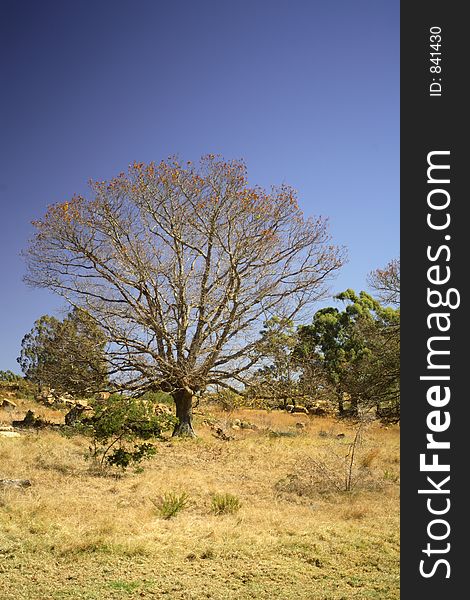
<point>276,382</point>
<point>181,265</point>
<point>358,349</point>
<point>9,376</point>
<point>67,355</point>
<point>386,283</point>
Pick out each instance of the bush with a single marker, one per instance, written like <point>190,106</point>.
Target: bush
<point>120,457</point>
<point>224,504</point>
<point>116,426</point>
<point>157,398</point>
<point>20,387</point>
<point>171,503</point>
<point>340,468</point>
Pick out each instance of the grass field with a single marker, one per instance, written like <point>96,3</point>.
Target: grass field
<point>77,534</point>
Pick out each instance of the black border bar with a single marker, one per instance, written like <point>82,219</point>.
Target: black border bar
<point>435,112</point>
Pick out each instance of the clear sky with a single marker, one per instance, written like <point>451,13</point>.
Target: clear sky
<point>306,91</point>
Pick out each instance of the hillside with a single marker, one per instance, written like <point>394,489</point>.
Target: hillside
<point>79,534</point>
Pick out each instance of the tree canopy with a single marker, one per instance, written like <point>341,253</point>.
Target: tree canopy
<point>181,265</point>
<point>386,282</point>
<point>66,355</point>
<point>358,349</point>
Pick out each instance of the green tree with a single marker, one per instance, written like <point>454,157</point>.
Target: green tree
<point>67,355</point>
<point>358,349</point>
<point>9,376</point>
<point>276,381</point>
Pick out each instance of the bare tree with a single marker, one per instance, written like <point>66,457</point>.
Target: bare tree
<point>181,265</point>
<point>386,282</point>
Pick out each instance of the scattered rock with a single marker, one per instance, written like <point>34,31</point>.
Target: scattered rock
<point>8,404</point>
<point>317,411</point>
<point>18,483</point>
<point>299,409</point>
<point>276,434</point>
<point>221,435</point>
<point>75,414</point>
<point>30,420</point>
<point>66,399</point>
<point>51,397</point>
<point>162,409</point>
<point>10,434</point>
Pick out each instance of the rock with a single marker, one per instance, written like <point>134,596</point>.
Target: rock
<point>8,404</point>
<point>290,407</point>
<point>103,396</point>
<point>247,425</point>
<point>75,414</point>
<point>45,392</point>
<point>237,422</point>
<point>318,411</point>
<point>220,433</point>
<point>66,399</point>
<point>299,409</point>
<point>9,434</point>
<point>6,428</point>
<point>19,483</point>
<point>300,425</point>
<point>162,409</point>
<point>341,435</point>
<point>276,434</point>
<point>30,420</point>
<point>235,427</point>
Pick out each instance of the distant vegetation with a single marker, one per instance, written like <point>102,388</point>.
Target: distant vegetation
<point>9,376</point>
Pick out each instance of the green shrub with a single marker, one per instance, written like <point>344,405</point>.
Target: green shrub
<point>171,503</point>
<point>157,398</point>
<point>120,457</point>
<point>117,425</point>
<point>224,504</point>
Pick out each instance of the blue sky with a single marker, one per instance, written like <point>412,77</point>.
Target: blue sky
<point>307,92</point>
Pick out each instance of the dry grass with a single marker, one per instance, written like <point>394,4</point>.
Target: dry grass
<point>74,535</point>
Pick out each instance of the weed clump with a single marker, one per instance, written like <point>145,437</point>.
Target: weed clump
<point>171,503</point>
<point>225,504</point>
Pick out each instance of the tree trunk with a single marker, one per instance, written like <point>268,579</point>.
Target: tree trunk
<point>339,396</point>
<point>184,412</point>
<point>354,407</point>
